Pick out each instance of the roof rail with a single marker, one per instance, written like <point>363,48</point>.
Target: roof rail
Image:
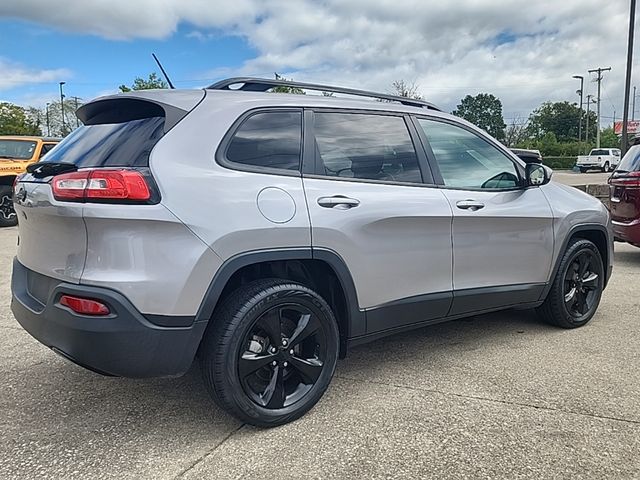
<point>250,84</point>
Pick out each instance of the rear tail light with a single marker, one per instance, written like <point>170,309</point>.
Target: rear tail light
<point>84,306</point>
<point>631,179</point>
<point>94,185</point>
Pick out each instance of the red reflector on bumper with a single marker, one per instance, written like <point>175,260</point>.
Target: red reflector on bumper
<point>84,306</point>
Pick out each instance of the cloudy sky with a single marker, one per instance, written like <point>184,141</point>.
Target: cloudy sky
<point>524,52</point>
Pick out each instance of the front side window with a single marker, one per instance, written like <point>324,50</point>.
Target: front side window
<point>365,146</point>
<point>268,140</point>
<point>468,161</point>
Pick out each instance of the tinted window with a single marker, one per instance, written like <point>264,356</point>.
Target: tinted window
<point>466,160</point>
<point>600,152</point>
<point>371,147</point>
<point>631,160</point>
<point>126,144</point>
<point>45,148</point>
<point>269,139</point>
<point>17,149</point>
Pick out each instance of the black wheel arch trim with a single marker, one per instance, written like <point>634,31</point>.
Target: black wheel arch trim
<point>587,227</point>
<point>356,321</point>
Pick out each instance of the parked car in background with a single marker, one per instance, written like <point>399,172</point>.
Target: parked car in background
<point>603,159</point>
<point>16,154</point>
<point>624,185</point>
<point>528,156</point>
<point>266,233</point>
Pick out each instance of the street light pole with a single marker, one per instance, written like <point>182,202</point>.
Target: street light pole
<point>580,92</point>
<point>47,112</point>
<point>589,101</point>
<point>627,85</point>
<point>633,110</point>
<point>64,128</point>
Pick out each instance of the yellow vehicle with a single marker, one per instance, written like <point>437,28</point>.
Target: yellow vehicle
<point>16,153</point>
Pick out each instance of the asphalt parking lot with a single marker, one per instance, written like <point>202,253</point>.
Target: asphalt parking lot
<point>570,177</point>
<point>495,396</point>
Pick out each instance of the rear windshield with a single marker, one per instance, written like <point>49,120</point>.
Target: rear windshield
<point>17,149</point>
<point>631,161</point>
<point>600,152</point>
<point>126,144</point>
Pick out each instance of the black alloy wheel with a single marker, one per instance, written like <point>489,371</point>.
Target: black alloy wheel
<point>284,353</point>
<point>8,217</point>
<point>270,352</point>
<point>577,286</point>
<point>581,284</point>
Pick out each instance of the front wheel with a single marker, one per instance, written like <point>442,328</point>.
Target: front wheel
<point>583,170</point>
<point>577,287</point>
<point>8,217</point>
<point>271,353</point>
<point>606,168</point>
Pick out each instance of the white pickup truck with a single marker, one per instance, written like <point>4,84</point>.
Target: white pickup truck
<point>604,159</point>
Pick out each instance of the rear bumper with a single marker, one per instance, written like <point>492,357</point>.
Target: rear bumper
<point>627,232</point>
<point>123,343</point>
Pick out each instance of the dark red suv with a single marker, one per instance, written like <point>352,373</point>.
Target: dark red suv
<point>625,198</point>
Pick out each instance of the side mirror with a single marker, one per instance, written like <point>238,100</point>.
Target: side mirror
<point>537,174</point>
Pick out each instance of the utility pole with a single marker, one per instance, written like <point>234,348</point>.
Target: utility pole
<point>599,71</point>
<point>589,102</point>
<point>580,92</point>
<point>64,128</point>
<point>47,112</point>
<point>633,110</point>
<point>75,100</point>
<point>627,84</point>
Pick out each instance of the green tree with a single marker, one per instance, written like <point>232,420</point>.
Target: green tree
<point>285,89</point>
<point>485,111</point>
<point>608,139</point>
<point>153,82</point>
<point>15,120</point>
<point>562,119</point>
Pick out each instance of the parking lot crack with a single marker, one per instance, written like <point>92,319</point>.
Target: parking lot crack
<point>200,459</point>
<point>494,400</point>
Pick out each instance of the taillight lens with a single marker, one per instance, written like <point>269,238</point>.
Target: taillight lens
<point>84,306</point>
<point>101,185</point>
<point>630,179</point>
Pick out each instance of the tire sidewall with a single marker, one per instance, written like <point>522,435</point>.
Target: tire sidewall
<point>573,251</point>
<point>248,315</point>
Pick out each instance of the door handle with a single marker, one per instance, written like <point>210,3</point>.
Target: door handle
<point>338,201</point>
<point>472,205</point>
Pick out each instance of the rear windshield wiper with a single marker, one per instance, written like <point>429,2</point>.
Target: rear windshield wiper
<point>48,169</point>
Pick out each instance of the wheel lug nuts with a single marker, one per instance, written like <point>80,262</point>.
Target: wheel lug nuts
<point>285,364</point>
<point>272,350</point>
<point>291,352</point>
<point>274,363</point>
<point>284,343</point>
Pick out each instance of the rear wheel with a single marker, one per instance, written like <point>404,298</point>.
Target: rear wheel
<point>583,170</point>
<point>271,352</point>
<point>577,287</point>
<point>606,168</point>
<point>8,217</point>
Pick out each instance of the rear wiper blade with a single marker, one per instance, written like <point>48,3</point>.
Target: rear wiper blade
<point>48,169</point>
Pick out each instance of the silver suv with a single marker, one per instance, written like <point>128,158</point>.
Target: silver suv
<point>265,233</point>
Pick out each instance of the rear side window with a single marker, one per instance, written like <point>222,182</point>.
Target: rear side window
<point>125,144</point>
<point>631,160</point>
<point>366,146</point>
<point>268,140</point>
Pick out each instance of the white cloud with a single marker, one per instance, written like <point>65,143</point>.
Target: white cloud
<point>15,75</point>
<point>524,52</point>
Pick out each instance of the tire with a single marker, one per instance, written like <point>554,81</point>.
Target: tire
<point>606,168</point>
<point>583,170</point>
<point>245,330</point>
<point>8,216</point>
<point>572,283</point>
